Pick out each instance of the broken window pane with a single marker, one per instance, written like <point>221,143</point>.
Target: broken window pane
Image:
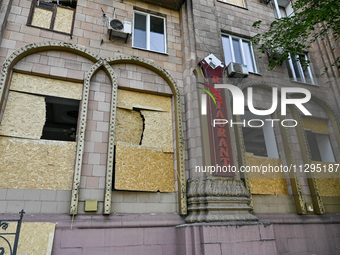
<point>61,119</point>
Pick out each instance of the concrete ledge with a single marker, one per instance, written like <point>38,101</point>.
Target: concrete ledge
<point>282,218</point>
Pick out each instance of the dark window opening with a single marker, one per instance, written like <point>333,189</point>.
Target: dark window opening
<point>313,145</point>
<point>254,141</point>
<point>69,3</point>
<point>61,119</point>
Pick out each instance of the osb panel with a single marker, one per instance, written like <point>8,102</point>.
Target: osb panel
<point>235,2</point>
<point>46,86</point>
<point>329,187</point>
<point>129,99</point>
<point>158,130</point>
<point>129,126</point>
<point>35,238</point>
<point>42,18</point>
<point>316,125</point>
<point>139,169</point>
<point>268,183</point>
<point>36,164</point>
<point>328,182</point>
<point>63,20</point>
<point>24,116</point>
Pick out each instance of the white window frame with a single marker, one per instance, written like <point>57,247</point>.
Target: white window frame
<point>270,142</point>
<point>303,78</point>
<point>277,9</point>
<point>227,2</point>
<point>148,15</point>
<point>290,60</point>
<point>242,51</point>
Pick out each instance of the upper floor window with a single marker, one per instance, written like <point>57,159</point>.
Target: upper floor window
<point>240,3</point>
<point>53,15</point>
<point>299,72</point>
<point>240,51</point>
<point>149,32</point>
<point>283,9</point>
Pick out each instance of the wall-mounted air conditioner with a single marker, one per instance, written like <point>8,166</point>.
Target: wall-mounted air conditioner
<point>119,28</point>
<point>237,70</point>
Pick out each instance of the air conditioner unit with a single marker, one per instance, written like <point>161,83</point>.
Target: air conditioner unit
<point>237,70</point>
<point>119,28</point>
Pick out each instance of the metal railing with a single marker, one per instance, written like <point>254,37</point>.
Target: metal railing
<point>4,224</point>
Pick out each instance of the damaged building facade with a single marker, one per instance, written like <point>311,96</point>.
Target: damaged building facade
<point>103,140</point>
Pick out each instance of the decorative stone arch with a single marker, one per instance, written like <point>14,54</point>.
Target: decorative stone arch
<point>102,63</point>
<point>306,154</point>
<point>179,130</point>
<point>32,48</point>
<point>295,183</point>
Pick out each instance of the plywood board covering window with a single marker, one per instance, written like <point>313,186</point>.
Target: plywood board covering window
<point>24,116</point>
<point>269,183</point>
<point>129,126</point>
<point>316,125</point>
<point>46,86</point>
<point>33,121</point>
<point>140,169</point>
<point>36,164</point>
<point>240,3</point>
<point>144,143</point>
<point>35,237</point>
<point>42,18</point>
<point>63,20</point>
<point>158,130</point>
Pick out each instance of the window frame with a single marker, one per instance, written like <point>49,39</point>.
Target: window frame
<point>269,135</point>
<point>241,40</point>
<point>54,13</point>
<point>300,70</point>
<point>277,11</point>
<point>148,15</point>
<point>226,2</point>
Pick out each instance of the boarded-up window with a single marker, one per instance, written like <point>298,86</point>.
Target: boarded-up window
<point>144,143</point>
<point>317,133</point>
<point>37,133</point>
<point>240,3</point>
<point>53,15</point>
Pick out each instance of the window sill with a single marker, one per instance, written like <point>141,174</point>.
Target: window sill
<point>238,6</point>
<point>51,30</point>
<point>159,52</point>
<point>258,74</point>
<point>305,83</point>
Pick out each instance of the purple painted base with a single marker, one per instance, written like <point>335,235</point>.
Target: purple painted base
<point>167,234</point>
